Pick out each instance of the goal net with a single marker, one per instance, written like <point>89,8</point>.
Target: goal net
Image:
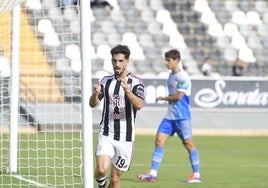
<point>49,121</point>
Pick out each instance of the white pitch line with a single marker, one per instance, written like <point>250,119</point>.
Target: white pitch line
<point>29,181</point>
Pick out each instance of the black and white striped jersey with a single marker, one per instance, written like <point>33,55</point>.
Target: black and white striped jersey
<point>118,116</point>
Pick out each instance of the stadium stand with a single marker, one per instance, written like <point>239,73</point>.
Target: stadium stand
<point>223,30</point>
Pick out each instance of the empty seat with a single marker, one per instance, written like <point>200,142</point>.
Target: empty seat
<point>216,5</point>
<point>108,26</point>
<point>265,17</point>
<point>230,5</point>
<point>200,29</point>
<point>215,55</point>
<point>246,5</point>
<point>230,29</point>
<point>156,5</point>
<point>223,42</point>
<point>230,54</point>
<point>140,4</point>
<point>62,64</point>
<point>184,29</point>
<point>147,15</point>
<point>103,51</point>
<point>139,27</point>
<point>253,18</point>
<point>260,55</point>
<point>143,66</point>
<point>98,38</point>
<point>215,30</point>
<point>158,66</point>
<point>70,13</point>
<point>265,41</point>
<point>161,40</point>
<point>34,4</point>
<point>146,40</point>
<point>199,55</point>
<point>113,39</point>
<point>254,42</point>
<point>262,30</point>
<point>223,69</point>
<point>154,27</point>
<point>223,16</point>
<point>208,42</point>
<point>239,17</point>
<point>163,16</point>
<point>260,6</point>
<point>238,41</point>
<point>253,69</point>
<point>246,30</point>
<point>191,41</point>
<point>246,55</point>
<point>72,51</point>
<point>44,26</point>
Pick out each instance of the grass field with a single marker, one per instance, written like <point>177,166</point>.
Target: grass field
<point>226,162</point>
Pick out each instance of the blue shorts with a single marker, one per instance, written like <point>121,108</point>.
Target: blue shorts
<point>183,128</point>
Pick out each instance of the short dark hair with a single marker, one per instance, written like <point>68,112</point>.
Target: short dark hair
<point>173,54</point>
<point>121,49</point>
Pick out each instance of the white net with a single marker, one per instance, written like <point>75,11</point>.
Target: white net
<point>49,140</point>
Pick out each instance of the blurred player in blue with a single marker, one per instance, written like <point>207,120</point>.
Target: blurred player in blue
<point>177,120</point>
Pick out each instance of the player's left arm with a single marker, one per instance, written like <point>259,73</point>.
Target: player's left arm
<point>136,97</point>
<point>172,98</point>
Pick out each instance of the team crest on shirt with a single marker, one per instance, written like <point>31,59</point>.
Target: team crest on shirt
<point>117,111</point>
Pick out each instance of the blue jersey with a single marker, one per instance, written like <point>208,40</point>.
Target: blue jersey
<point>179,82</point>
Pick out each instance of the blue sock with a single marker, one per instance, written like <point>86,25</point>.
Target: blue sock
<point>194,160</point>
<point>157,158</point>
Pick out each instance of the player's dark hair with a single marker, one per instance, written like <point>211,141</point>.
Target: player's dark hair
<point>173,54</point>
<point>121,49</point>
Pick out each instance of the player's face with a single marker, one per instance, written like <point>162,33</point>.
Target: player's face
<point>170,63</point>
<point>119,64</point>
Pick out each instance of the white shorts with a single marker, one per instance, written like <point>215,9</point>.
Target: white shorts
<point>120,152</point>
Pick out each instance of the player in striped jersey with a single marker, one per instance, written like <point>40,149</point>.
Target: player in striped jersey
<point>177,119</point>
<point>122,94</point>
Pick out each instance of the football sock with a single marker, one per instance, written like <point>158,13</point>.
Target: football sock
<point>101,181</point>
<point>194,160</point>
<point>156,160</point>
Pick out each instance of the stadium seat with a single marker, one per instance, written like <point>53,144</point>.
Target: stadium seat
<point>246,55</point>
<point>253,18</point>
<point>230,5</point>
<point>262,30</point>
<point>147,15</point>
<point>260,6</point>
<point>223,42</point>
<point>246,30</point>
<point>261,55</point>
<point>253,69</point>
<point>246,5</point>
<point>265,17</point>
<point>239,17</point>
<point>146,40</point>
<point>230,54</point>
<point>156,5</point>
<point>140,4</point>
<point>254,42</point>
<point>223,69</point>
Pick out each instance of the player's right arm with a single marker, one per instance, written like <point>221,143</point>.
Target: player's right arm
<point>94,98</point>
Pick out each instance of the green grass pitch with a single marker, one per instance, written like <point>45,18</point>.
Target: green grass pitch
<point>226,162</point>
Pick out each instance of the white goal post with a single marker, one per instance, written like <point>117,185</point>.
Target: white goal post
<point>45,121</point>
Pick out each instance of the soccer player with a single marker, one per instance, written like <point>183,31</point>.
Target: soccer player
<point>123,95</point>
<point>177,119</point>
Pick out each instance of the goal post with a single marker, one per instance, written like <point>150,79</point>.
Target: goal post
<point>46,132</point>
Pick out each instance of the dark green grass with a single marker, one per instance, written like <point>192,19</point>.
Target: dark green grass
<point>226,162</point>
